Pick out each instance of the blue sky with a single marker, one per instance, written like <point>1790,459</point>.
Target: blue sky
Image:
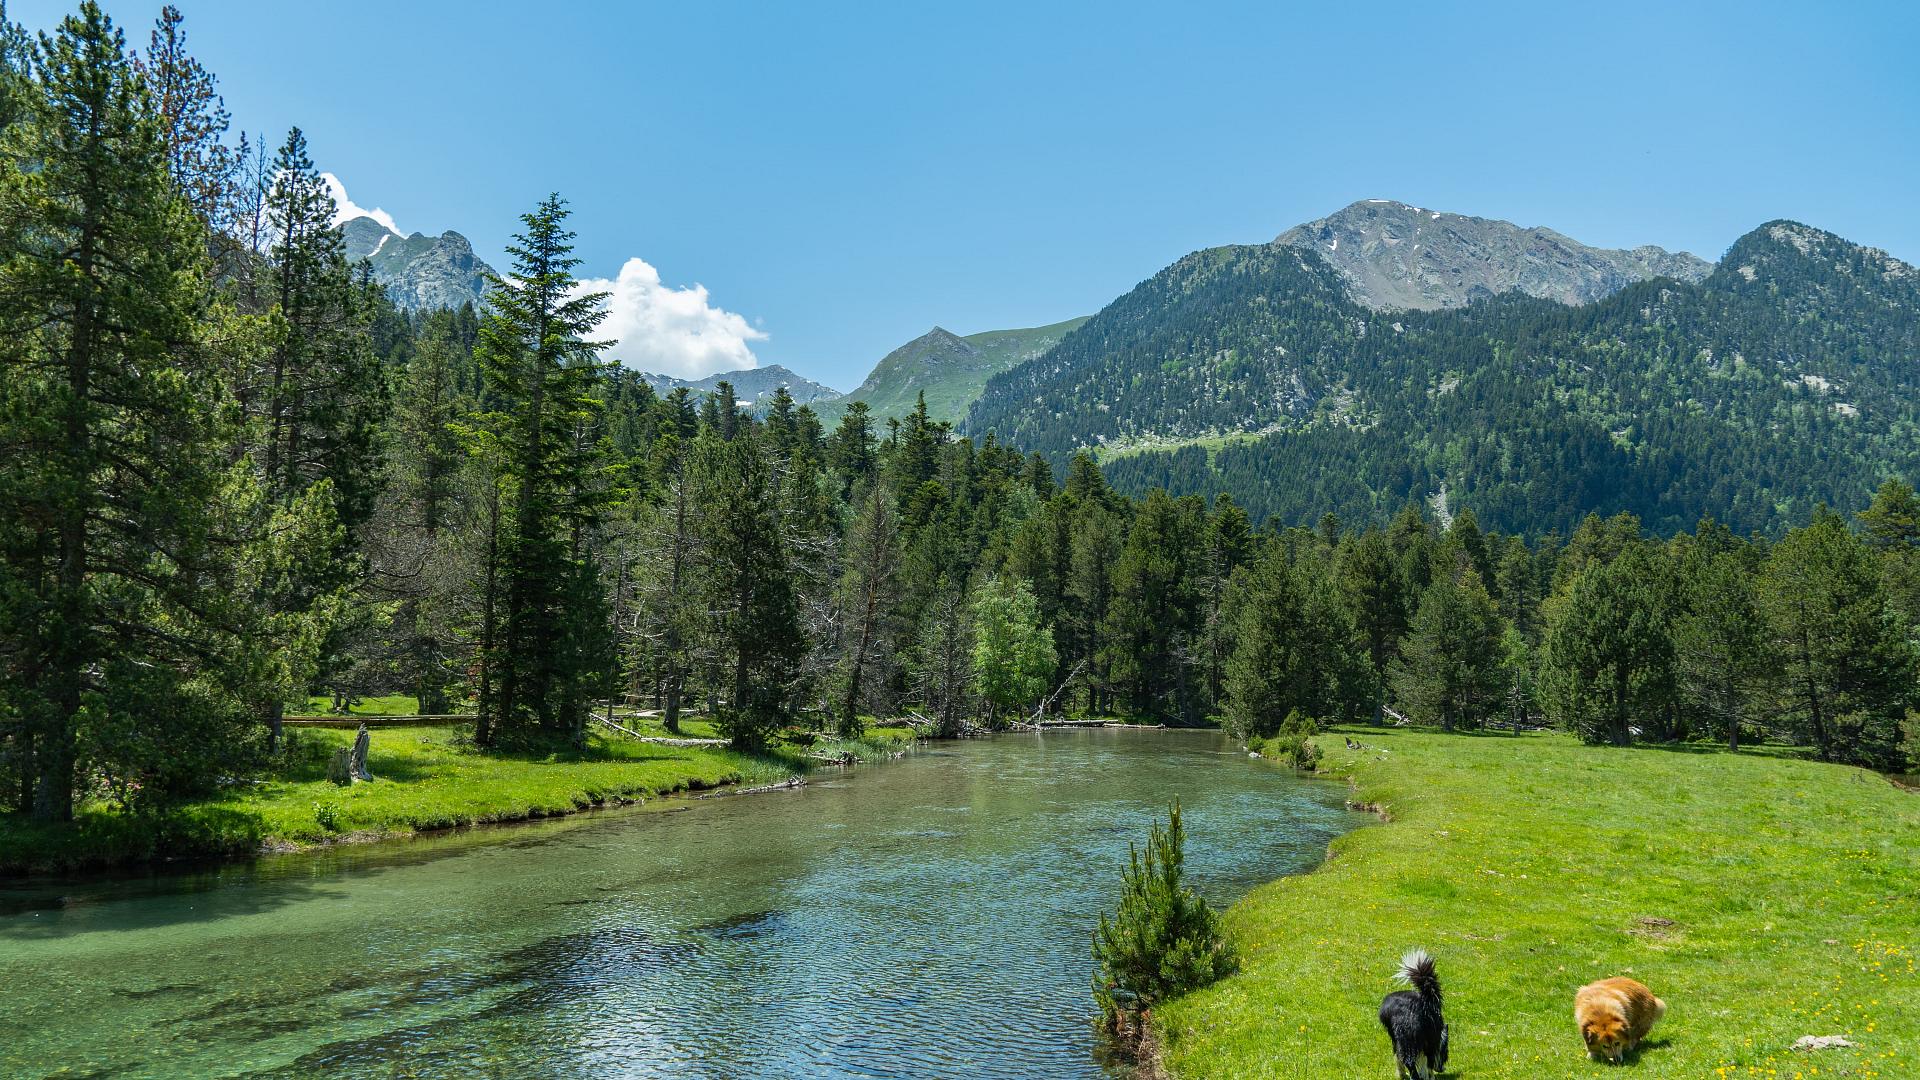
<point>845,177</point>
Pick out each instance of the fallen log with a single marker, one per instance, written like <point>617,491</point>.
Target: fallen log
<point>789,782</point>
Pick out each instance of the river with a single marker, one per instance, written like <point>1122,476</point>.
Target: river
<point>928,917</point>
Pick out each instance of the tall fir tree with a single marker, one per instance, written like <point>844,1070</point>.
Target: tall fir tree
<point>756,645</point>
<point>539,369</point>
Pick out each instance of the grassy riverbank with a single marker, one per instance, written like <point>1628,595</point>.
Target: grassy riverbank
<point>425,778</point>
<point>1763,897</point>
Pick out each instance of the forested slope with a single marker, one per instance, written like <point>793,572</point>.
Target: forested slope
<point>1783,380</point>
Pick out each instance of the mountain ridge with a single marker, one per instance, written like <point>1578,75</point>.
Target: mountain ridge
<point>951,370</point>
<point>751,386</point>
<point>1395,255</point>
<point>1784,378</point>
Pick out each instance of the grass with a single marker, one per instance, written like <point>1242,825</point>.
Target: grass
<point>1762,896</point>
<point>425,778</point>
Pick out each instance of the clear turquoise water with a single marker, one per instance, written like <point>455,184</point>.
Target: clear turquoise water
<point>924,918</point>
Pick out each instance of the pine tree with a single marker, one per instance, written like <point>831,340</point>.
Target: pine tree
<point>943,658</point>
<point>1892,521</point>
<point>850,450</point>
<point>1295,647</point>
<point>869,598</point>
<point>1608,664</point>
<point>1449,671</point>
<point>1162,941</point>
<point>668,596</point>
<point>324,388</point>
<point>117,628</point>
<point>1145,634</point>
<point>1375,591</point>
<point>412,558</point>
<point>1719,638</point>
<point>756,642</point>
<point>1229,545</point>
<point>193,122</point>
<point>1847,668</point>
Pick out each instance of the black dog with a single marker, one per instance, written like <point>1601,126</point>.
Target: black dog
<point>1413,1020</point>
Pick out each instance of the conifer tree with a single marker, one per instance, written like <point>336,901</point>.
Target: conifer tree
<point>1162,941</point>
<point>324,388</point>
<point>1145,634</point>
<point>1295,647</point>
<point>539,368</point>
<point>117,633</point>
<point>1449,668</point>
<point>193,122</point>
<point>1719,637</point>
<point>1847,668</point>
<point>754,616</point>
<point>1375,591</point>
<point>1608,663</point>
<point>868,600</point>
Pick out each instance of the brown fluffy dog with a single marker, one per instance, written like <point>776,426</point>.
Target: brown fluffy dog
<point>1614,1015</point>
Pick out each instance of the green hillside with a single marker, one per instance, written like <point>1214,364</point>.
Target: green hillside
<point>1784,379</point>
<point>951,370</point>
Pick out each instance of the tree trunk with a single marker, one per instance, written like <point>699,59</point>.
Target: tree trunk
<point>483,722</point>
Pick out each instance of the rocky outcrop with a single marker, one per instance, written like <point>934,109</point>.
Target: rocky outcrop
<point>1393,255</point>
<point>420,272</point>
<point>752,387</point>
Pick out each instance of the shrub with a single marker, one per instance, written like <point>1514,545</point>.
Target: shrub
<point>1162,942</point>
<point>1296,750</point>
<point>1292,743</point>
<point>328,816</point>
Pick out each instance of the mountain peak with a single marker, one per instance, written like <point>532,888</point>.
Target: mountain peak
<point>752,387</point>
<point>420,272</point>
<point>1398,255</point>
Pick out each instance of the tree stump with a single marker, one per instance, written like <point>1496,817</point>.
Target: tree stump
<point>359,761</point>
<point>349,763</point>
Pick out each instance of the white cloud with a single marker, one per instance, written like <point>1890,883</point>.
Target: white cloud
<point>670,331</point>
<point>348,209</point>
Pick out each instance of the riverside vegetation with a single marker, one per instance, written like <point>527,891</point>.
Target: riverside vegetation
<point>1765,897</point>
<point>236,475</point>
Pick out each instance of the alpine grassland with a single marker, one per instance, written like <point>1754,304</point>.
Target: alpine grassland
<point>1765,897</point>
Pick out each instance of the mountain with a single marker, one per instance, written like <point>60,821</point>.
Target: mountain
<point>1784,378</point>
<point>1393,255</point>
<point>750,385</point>
<point>420,272</point>
<point>951,370</point>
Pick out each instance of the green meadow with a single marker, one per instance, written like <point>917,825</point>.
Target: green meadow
<point>1763,896</point>
<point>424,778</point>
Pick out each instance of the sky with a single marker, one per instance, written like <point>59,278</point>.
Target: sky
<point>815,184</point>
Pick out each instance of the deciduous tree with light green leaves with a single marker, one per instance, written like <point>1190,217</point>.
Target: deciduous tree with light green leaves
<point>1013,654</point>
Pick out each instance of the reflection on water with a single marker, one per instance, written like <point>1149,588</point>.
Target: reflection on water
<point>929,918</point>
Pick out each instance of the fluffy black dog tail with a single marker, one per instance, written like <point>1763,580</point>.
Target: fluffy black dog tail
<point>1417,969</point>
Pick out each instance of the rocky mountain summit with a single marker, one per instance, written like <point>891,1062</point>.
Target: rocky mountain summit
<point>1394,256</point>
<point>420,272</point>
<point>752,387</point>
